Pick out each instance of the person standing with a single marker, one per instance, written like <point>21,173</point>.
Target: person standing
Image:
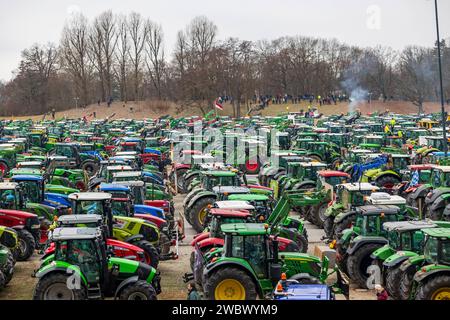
<point>192,292</point>
<point>381,292</point>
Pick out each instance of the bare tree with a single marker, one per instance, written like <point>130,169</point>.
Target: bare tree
<point>122,55</point>
<point>155,53</point>
<point>138,34</point>
<point>74,51</point>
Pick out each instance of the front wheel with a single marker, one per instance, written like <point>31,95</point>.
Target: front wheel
<point>319,217</point>
<point>230,284</point>
<point>328,227</point>
<point>139,290</point>
<point>434,288</point>
<point>55,287</point>
<point>26,245</point>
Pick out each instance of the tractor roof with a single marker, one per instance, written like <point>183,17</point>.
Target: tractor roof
<point>330,173</point>
<point>248,197</point>
<point>60,234</point>
<point>126,153</point>
<point>244,229</point>
<point>378,209</point>
<point>79,218</point>
<point>230,213</point>
<point>363,186</point>
<point>23,177</point>
<point>219,173</point>
<point>108,187</point>
<point>380,198</point>
<point>234,205</point>
<point>443,168</point>
<point>438,232</point>
<point>119,168</point>
<point>230,190</point>
<point>420,167</point>
<point>90,196</point>
<point>29,163</point>
<point>403,226</point>
<point>8,185</point>
<point>123,174</point>
<point>137,183</point>
<point>313,164</point>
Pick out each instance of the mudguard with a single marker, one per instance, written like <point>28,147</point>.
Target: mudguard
<point>301,185</point>
<point>436,193</point>
<point>386,173</point>
<point>420,192</point>
<point>201,195</point>
<point>61,199</point>
<point>124,283</point>
<point>334,210</point>
<point>191,174</point>
<point>359,241</point>
<point>199,237</point>
<point>398,258</point>
<point>383,253</point>
<point>135,238</point>
<point>61,269</point>
<point>438,204</point>
<point>430,270</point>
<point>344,214</point>
<point>152,219</point>
<point>179,166</point>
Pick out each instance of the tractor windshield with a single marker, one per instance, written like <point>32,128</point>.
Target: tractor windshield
<point>431,250</point>
<point>413,241</point>
<point>401,162</point>
<point>138,194</point>
<point>89,207</point>
<point>440,179</point>
<point>120,208</point>
<point>32,191</point>
<point>64,150</point>
<point>334,181</point>
<point>253,249</point>
<point>8,199</point>
<point>373,224</point>
<point>81,253</point>
<point>394,240</point>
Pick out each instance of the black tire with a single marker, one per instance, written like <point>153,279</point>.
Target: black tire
<point>192,260</point>
<point>435,215</point>
<point>305,279</point>
<point>406,280</point>
<point>194,212</point>
<point>150,251</point>
<point>428,287</point>
<point>387,181</point>
<point>233,274</point>
<point>342,263</point>
<point>2,280</point>
<point>187,182</point>
<point>358,263</point>
<point>318,214</point>
<point>90,167</point>
<point>8,268</point>
<point>302,243</point>
<point>180,180</point>
<point>340,226</point>
<point>139,290</point>
<point>328,227</point>
<point>336,163</point>
<point>58,283</point>
<point>315,158</point>
<point>27,244</point>
<point>164,243</point>
<point>393,278</point>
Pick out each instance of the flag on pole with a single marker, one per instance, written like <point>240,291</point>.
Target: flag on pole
<point>218,104</point>
<point>414,179</point>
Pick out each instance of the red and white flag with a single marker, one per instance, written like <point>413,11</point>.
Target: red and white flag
<point>217,104</point>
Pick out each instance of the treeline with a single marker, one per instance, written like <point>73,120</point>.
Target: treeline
<point>122,58</point>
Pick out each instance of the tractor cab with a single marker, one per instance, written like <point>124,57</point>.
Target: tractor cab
<point>218,217</point>
<point>98,203</point>
<point>224,192</point>
<point>352,194</point>
<point>211,179</point>
<point>108,173</point>
<point>32,187</point>
<point>440,177</point>
<point>263,204</point>
<point>11,196</point>
<point>407,235</point>
<point>370,219</point>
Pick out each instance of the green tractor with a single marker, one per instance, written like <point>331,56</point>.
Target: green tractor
<point>250,265</point>
<point>8,153</point>
<point>432,280</point>
<point>138,232</point>
<point>79,160</point>
<point>389,175</point>
<point>6,266</point>
<point>81,269</point>
<point>348,197</point>
<point>406,240</point>
<point>356,245</point>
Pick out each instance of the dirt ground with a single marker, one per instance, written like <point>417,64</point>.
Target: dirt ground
<point>154,109</point>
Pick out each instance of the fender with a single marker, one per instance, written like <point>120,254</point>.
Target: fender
<point>302,184</point>
<point>179,166</point>
<point>153,219</point>
<point>398,258</point>
<point>60,269</point>
<point>334,210</point>
<point>18,227</point>
<point>436,193</point>
<point>420,192</point>
<point>124,283</point>
<point>426,272</point>
<point>190,195</point>
<point>208,242</point>
<point>58,198</point>
<point>344,214</point>
<point>191,174</point>
<point>201,195</point>
<point>358,243</point>
<point>386,173</point>
<point>134,239</point>
<point>214,266</point>
<point>199,237</point>
<point>382,253</point>
<point>439,203</point>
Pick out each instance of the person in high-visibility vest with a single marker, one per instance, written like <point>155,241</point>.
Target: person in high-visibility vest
<point>387,129</point>
<point>400,134</point>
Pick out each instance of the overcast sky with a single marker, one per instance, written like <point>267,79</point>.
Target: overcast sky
<point>395,23</point>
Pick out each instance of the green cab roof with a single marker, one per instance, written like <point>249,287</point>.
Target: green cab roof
<point>248,197</point>
<point>244,229</point>
<point>220,173</point>
<point>437,232</point>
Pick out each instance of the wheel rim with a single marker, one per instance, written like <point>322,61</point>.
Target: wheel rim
<point>441,294</point>
<point>58,291</point>
<point>229,289</point>
<point>22,246</point>
<point>202,215</point>
<point>137,296</point>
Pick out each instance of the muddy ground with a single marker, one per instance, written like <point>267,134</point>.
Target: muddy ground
<point>172,271</point>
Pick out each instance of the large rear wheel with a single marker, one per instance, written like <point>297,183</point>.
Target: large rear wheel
<point>434,288</point>
<point>358,263</point>
<point>54,287</point>
<point>27,244</point>
<point>150,253</point>
<point>393,278</point>
<point>230,284</point>
<point>198,213</point>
